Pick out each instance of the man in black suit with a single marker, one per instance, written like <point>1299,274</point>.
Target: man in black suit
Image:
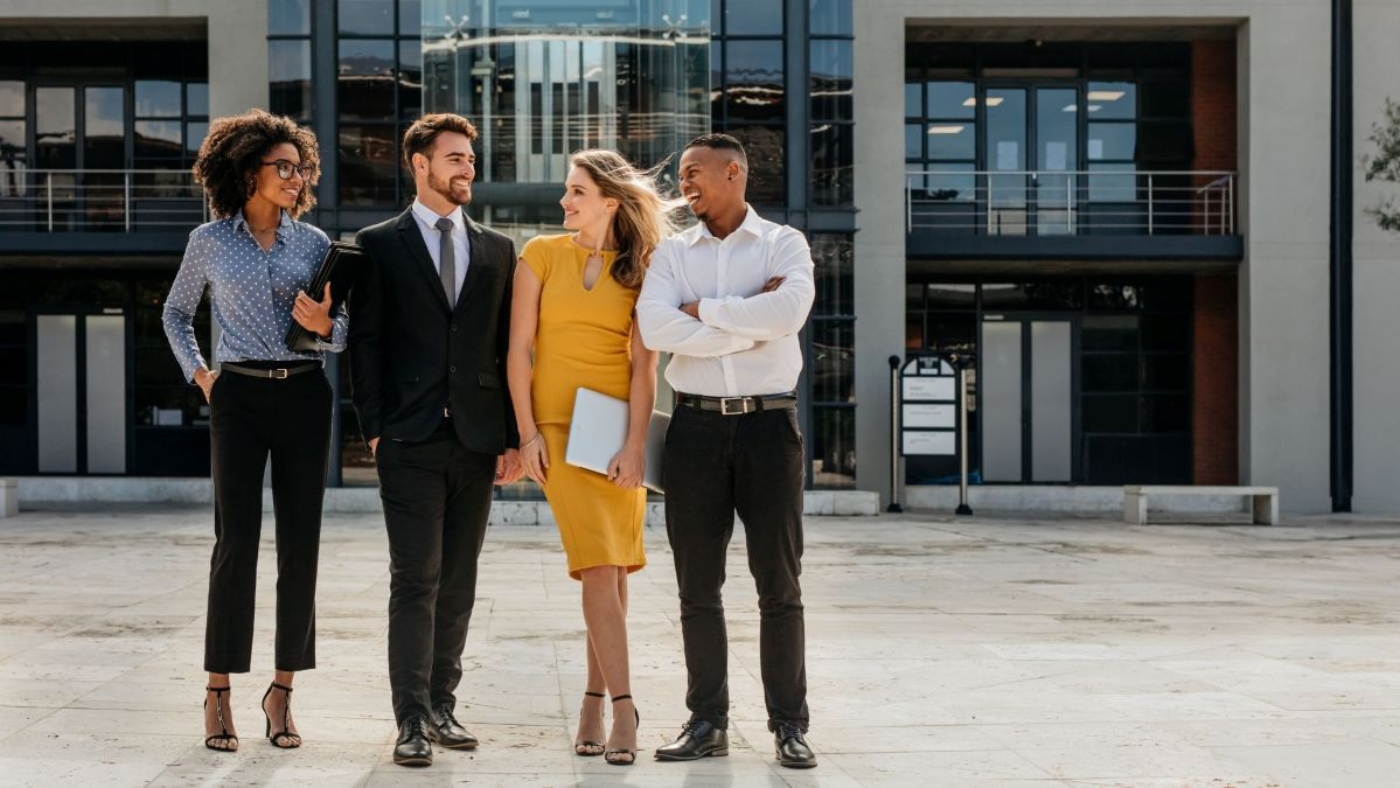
<point>428,327</point>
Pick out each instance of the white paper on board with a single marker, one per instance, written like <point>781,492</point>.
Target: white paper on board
<point>927,443</point>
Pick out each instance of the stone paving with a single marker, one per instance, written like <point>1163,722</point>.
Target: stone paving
<point>941,652</point>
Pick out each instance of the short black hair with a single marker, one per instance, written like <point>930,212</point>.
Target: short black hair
<point>718,141</point>
<point>233,149</point>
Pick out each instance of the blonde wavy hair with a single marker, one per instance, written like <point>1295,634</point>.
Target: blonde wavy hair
<point>645,215</point>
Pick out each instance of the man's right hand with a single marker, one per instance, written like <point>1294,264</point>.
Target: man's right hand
<point>205,380</point>
<point>374,447</point>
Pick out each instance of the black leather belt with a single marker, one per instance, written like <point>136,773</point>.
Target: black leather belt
<point>272,373</point>
<point>738,406</point>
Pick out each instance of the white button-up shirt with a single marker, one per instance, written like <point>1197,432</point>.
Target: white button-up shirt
<point>461,250</point>
<point>745,342</point>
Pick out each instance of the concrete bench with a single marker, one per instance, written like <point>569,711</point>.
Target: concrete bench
<point>9,497</point>
<point>1265,500</point>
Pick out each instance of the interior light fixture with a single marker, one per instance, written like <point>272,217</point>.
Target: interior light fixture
<point>945,129</point>
<point>994,101</point>
<point>1105,95</point>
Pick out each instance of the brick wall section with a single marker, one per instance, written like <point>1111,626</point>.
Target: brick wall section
<point>1215,393</point>
<point>1213,105</point>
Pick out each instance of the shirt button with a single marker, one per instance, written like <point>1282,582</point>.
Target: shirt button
<point>454,328</point>
<point>453,370</point>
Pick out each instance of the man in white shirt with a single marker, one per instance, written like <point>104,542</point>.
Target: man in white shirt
<point>727,298</point>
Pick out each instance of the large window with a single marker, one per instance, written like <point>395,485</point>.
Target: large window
<point>379,91</point>
<point>832,362</point>
<point>831,72</point>
<point>748,90</point>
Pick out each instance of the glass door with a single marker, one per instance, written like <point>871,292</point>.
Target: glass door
<point>1056,157</point>
<point>1031,144</point>
<point>1027,374</point>
<point>1005,136</point>
<point>82,392</point>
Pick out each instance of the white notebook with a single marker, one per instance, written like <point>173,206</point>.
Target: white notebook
<point>598,430</point>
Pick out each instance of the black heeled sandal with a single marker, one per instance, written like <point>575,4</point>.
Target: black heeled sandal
<point>608,756</point>
<point>230,741</point>
<point>587,748</point>
<point>284,739</point>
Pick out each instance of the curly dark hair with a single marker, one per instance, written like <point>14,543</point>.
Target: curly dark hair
<point>234,148</point>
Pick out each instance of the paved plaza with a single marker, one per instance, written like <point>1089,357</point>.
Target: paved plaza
<point>941,652</point>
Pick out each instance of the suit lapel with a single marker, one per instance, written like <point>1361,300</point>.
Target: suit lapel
<point>412,238</point>
<point>476,261</point>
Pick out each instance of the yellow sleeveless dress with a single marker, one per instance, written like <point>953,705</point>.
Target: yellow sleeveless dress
<point>583,340</point>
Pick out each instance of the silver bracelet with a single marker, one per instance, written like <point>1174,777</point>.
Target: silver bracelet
<point>530,442</point>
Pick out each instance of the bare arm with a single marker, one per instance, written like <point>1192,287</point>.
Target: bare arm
<point>524,322</point>
<point>628,467</point>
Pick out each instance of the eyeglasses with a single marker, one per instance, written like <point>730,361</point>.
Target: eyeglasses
<point>286,168</point>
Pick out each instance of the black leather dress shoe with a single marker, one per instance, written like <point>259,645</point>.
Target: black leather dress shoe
<point>792,748</point>
<point>445,731</point>
<point>413,748</point>
<point>698,739</point>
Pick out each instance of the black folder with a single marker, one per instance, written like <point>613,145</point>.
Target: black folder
<point>340,267</point>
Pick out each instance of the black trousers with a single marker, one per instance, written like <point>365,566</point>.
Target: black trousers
<point>251,419</point>
<point>437,498</point>
<point>715,466</point>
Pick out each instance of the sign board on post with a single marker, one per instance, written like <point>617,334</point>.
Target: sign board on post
<point>928,417</point>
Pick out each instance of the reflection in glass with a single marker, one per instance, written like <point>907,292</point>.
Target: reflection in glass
<point>289,17</point>
<point>157,98</point>
<point>832,164</point>
<point>1112,100</point>
<point>834,447</point>
<point>12,102</point>
<point>834,256</point>
<point>197,98</point>
<point>951,100</point>
<point>366,78</point>
<point>951,140</point>
<point>194,137</point>
<point>1112,141</point>
<point>753,73</point>
<point>366,17</point>
<point>368,164</point>
<point>289,72</point>
<point>831,72</point>
<point>913,100</point>
<point>831,18</point>
<point>12,159</point>
<point>158,139</point>
<point>410,79</point>
<point>913,141</point>
<point>411,18</point>
<point>833,360</point>
<point>748,18</point>
<point>765,147</point>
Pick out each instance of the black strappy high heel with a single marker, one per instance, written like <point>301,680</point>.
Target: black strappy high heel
<point>230,740</point>
<point>284,739</point>
<point>587,748</point>
<point>608,756</point>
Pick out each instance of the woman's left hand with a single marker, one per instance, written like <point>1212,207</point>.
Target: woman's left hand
<point>627,466</point>
<point>313,315</point>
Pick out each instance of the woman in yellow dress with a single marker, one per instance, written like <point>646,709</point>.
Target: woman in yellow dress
<point>573,326</point>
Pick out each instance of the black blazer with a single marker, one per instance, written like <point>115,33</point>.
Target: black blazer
<point>410,355</point>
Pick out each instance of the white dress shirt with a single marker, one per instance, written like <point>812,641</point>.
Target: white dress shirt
<point>745,342</point>
<point>461,250</point>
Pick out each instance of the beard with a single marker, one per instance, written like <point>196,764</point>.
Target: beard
<point>444,188</point>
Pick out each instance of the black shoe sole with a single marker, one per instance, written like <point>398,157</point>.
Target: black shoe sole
<point>413,761</point>
<point>797,764</point>
<point>718,752</point>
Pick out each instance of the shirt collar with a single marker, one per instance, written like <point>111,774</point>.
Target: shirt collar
<point>430,217</point>
<point>752,224</point>
<point>284,225</point>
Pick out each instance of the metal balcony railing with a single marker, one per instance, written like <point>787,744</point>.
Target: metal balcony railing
<point>60,201</point>
<point>1076,202</point>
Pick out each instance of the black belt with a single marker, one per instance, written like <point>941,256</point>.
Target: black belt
<point>738,406</point>
<point>271,373</point>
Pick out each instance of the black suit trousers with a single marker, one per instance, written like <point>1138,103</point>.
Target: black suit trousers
<point>437,499</point>
<point>713,467</point>
<point>250,420</point>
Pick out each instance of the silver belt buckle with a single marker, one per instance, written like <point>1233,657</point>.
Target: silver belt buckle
<point>446,412</point>
<point>744,404</point>
<point>277,374</point>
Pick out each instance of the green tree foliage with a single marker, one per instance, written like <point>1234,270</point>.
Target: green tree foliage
<point>1385,165</point>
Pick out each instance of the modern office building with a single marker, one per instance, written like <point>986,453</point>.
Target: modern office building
<point>1120,213</point>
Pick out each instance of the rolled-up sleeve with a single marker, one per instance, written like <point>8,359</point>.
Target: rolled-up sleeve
<point>340,332</point>
<point>665,327</point>
<point>182,303</point>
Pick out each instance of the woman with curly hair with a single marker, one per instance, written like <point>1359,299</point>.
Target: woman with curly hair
<point>572,326</point>
<point>256,260</point>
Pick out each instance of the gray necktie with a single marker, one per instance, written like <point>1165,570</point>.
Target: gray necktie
<point>447,261</point>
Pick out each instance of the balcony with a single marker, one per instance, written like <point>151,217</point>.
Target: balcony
<point>115,212</point>
<point>1098,215</point>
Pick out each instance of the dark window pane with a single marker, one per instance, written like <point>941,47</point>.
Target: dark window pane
<point>1166,413</point>
<point>159,139</point>
<point>952,140</point>
<point>833,361</point>
<point>748,18</point>
<point>12,102</point>
<point>366,83</point>
<point>368,164</point>
<point>1109,413</point>
<point>1169,372</point>
<point>831,80</point>
<point>410,18</point>
<point>753,75</point>
<point>197,98</point>
<point>951,100</point>
<point>1033,295</point>
<point>1112,100</point>
<point>913,100</point>
<point>194,137</point>
<point>289,71</point>
<point>1109,141</point>
<point>832,164</point>
<point>410,79</point>
<point>12,157</point>
<point>1114,297</point>
<point>954,296</point>
<point>914,298</point>
<point>1169,142</point>
<point>765,147</point>
<point>1166,332</point>
<point>157,99</point>
<point>1110,332</point>
<point>1110,372</point>
<point>1170,99</point>
<point>1166,294</point>
<point>913,141</point>
<point>366,17</point>
<point>289,17</point>
<point>831,18</point>
<point>833,254</point>
<point>944,182</point>
<point>104,143</point>
<point>834,447</point>
<point>950,332</point>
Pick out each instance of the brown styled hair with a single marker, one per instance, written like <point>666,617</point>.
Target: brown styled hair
<point>644,218</point>
<point>232,152</point>
<point>422,135</point>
